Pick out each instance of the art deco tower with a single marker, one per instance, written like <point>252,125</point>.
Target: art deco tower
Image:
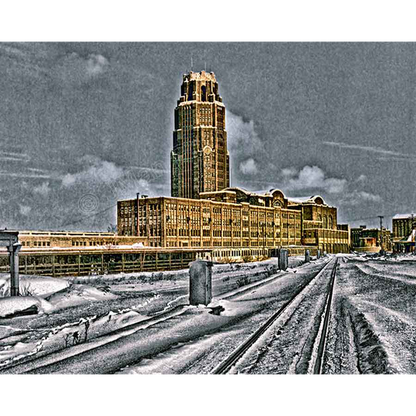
<point>199,159</point>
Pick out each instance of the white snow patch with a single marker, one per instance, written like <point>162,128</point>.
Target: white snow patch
<point>78,294</point>
<point>14,304</point>
<point>73,334</point>
<point>388,312</point>
<point>369,270</point>
<point>35,286</point>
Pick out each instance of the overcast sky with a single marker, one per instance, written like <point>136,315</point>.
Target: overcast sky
<point>85,124</point>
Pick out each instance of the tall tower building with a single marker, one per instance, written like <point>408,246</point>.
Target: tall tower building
<point>199,159</point>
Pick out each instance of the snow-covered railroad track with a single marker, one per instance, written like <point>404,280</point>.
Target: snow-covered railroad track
<point>239,352</point>
<point>317,369</point>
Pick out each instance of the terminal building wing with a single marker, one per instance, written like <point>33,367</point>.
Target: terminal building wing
<point>234,218</point>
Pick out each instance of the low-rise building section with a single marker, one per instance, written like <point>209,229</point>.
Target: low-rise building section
<point>77,239</point>
<point>370,240</point>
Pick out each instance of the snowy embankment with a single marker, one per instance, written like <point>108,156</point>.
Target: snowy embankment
<point>33,292</point>
<point>49,296</point>
<point>183,274</point>
<point>374,325</point>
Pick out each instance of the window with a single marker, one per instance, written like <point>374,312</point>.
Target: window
<point>203,93</point>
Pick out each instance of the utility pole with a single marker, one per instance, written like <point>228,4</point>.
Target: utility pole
<point>381,232</point>
<point>137,219</point>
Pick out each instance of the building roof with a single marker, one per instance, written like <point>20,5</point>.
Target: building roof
<point>404,216</point>
<point>307,199</point>
<point>203,76</point>
<point>299,199</point>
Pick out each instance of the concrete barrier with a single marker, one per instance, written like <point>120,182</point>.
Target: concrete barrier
<point>200,282</point>
<point>283,259</point>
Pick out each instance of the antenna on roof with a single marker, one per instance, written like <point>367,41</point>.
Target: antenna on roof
<point>192,63</point>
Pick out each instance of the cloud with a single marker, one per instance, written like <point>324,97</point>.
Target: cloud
<point>14,156</point>
<point>358,198</point>
<point>242,136</point>
<point>289,172</point>
<point>11,51</point>
<point>311,178</point>
<point>361,178</point>
<point>372,149</point>
<point>76,70</point>
<point>248,167</point>
<point>245,146</point>
<point>43,189</point>
<point>23,175</point>
<point>96,64</point>
<point>99,171</point>
<point>366,196</point>
<point>24,209</point>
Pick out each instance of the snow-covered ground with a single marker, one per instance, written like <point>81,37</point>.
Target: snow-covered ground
<point>71,311</point>
<point>33,285</point>
<point>33,291</point>
<point>372,328</point>
<point>116,323</point>
<point>375,317</point>
<point>238,320</point>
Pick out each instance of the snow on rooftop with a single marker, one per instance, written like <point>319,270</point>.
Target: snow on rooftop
<point>300,199</point>
<point>404,216</point>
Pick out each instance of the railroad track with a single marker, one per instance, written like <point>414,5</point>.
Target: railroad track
<point>317,369</point>
<point>238,353</point>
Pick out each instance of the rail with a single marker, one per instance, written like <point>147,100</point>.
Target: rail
<point>238,353</point>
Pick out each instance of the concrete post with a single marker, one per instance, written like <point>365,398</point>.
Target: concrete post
<point>283,259</point>
<point>318,254</point>
<point>14,268</point>
<point>200,282</point>
<point>307,256</point>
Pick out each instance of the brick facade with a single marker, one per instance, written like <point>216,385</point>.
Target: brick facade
<point>236,218</point>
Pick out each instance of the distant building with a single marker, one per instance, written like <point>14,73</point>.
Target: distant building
<point>370,239</point>
<point>404,230</point>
